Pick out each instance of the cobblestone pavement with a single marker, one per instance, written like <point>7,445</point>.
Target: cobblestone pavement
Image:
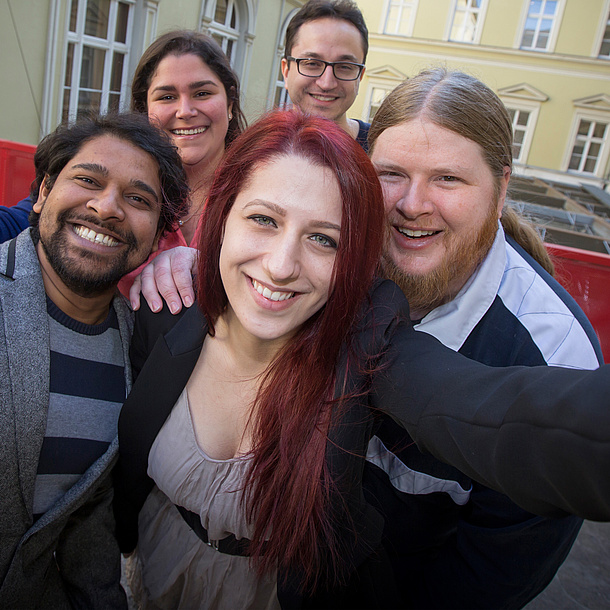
<point>583,581</point>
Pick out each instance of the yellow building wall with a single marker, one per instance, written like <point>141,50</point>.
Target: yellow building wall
<point>23,35</point>
<point>568,74</point>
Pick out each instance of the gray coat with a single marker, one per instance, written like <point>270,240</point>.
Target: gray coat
<point>69,557</point>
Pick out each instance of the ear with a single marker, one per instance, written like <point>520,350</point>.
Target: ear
<point>285,67</point>
<point>43,193</point>
<point>503,188</point>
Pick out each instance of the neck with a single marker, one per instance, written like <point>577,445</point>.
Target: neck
<point>349,125</point>
<point>89,310</point>
<point>252,356</point>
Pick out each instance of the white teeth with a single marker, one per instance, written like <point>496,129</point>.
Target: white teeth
<point>272,296</point>
<point>189,132</point>
<point>410,233</point>
<point>96,238</point>
<point>324,98</point>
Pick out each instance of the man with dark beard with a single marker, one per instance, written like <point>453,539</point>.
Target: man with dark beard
<point>441,144</point>
<point>106,190</point>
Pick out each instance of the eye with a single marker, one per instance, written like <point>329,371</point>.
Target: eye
<point>86,180</point>
<point>324,240</point>
<point>261,219</point>
<point>203,93</point>
<point>449,179</point>
<point>139,202</point>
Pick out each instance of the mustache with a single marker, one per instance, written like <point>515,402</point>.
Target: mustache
<point>126,237</point>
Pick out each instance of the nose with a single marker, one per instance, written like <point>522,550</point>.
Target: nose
<point>283,260</point>
<point>186,109</point>
<point>327,79</point>
<point>107,204</point>
<point>414,200</point>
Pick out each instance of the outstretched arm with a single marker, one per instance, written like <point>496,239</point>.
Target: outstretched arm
<point>540,435</point>
<point>168,276</point>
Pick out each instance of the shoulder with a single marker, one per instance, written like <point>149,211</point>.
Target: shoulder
<point>551,317</point>
<point>363,134</point>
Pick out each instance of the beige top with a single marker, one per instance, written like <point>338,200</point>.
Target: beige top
<point>172,567</point>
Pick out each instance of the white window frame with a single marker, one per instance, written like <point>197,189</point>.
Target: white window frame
<point>370,91</point>
<point>242,35</point>
<point>80,40</point>
<point>480,19</point>
<point>601,34</point>
<point>602,161</point>
<point>534,109</point>
<point>550,48</point>
<point>277,88</point>
<point>143,30</point>
<point>400,5</point>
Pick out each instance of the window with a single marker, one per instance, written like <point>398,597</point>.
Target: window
<point>467,21</point>
<point>375,99</point>
<point>589,145</point>
<point>225,27</point>
<point>97,54</point>
<point>539,25</point>
<point>521,123</point>
<point>400,17</point>
<point>604,49</point>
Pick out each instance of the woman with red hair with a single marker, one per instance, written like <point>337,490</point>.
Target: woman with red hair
<point>242,443</point>
<point>238,418</point>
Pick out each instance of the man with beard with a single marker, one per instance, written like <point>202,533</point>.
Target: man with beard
<point>106,190</point>
<point>441,144</point>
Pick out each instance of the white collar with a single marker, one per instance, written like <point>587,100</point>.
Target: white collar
<point>453,322</point>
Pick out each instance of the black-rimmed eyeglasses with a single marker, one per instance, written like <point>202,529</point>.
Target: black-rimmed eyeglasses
<point>314,68</point>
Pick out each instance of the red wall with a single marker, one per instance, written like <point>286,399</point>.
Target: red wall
<point>16,171</point>
<point>586,276</point>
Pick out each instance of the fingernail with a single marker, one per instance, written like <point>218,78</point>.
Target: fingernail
<point>188,301</point>
<point>156,306</point>
<point>173,307</point>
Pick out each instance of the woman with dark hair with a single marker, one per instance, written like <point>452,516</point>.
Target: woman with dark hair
<point>186,85</point>
<point>242,443</point>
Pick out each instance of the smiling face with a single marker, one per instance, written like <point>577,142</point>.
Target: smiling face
<point>331,40</point>
<point>279,246</point>
<point>189,102</point>
<point>442,205</point>
<point>99,220</point>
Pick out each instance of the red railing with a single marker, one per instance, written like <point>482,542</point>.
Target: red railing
<point>586,276</point>
<point>16,171</point>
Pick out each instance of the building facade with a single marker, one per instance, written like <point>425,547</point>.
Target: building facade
<point>62,58</point>
<point>548,60</point>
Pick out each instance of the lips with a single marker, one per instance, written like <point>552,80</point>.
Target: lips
<point>268,294</point>
<point>193,131</point>
<point>416,233</point>
<point>94,237</point>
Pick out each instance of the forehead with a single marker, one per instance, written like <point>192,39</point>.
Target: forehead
<point>296,184</point>
<point>329,38</point>
<point>187,66</point>
<point>121,160</point>
<point>427,142</point>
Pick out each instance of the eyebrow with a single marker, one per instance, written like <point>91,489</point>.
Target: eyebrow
<point>347,57</point>
<point>96,168</point>
<point>280,211</point>
<point>194,85</point>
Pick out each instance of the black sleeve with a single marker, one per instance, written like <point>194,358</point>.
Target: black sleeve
<point>539,435</point>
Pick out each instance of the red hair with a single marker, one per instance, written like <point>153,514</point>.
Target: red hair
<point>288,487</point>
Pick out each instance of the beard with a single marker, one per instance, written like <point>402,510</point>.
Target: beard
<point>84,272</point>
<point>428,291</point>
